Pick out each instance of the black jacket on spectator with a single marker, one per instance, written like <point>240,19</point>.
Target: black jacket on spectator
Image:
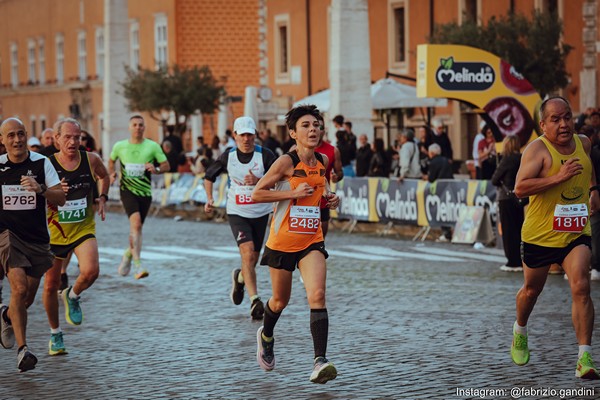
<point>439,168</point>
<point>379,165</point>
<point>176,143</point>
<point>345,147</point>
<point>363,160</point>
<point>49,150</point>
<point>506,174</point>
<point>272,144</point>
<point>444,143</point>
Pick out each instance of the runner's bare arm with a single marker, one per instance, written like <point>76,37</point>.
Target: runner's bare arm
<point>162,167</point>
<point>594,195</point>
<point>101,173</point>
<point>111,171</point>
<point>536,156</point>
<point>337,173</point>
<point>54,194</point>
<point>282,168</point>
<point>208,187</point>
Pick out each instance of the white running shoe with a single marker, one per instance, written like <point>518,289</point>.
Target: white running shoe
<point>125,265</point>
<point>595,275</point>
<point>7,334</point>
<point>511,269</point>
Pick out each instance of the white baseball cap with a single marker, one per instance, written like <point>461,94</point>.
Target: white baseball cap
<point>244,125</point>
<point>33,141</point>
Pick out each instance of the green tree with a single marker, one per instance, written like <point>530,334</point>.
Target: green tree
<point>182,90</point>
<point>533,46</point>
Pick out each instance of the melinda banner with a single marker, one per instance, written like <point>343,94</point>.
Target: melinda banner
<point>410,202</point>
<point>483,80</point>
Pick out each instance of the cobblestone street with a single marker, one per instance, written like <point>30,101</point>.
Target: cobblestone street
<point>407,321</point>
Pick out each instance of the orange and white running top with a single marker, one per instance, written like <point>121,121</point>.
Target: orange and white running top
<point>297,223</point>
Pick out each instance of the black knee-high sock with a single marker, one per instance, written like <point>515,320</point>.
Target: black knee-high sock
<point>270,319</point>
<point>319,327</point>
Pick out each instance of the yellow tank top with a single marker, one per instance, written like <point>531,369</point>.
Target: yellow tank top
<point>75,219</point>
<point>560,214</point>
<point>296,223</point>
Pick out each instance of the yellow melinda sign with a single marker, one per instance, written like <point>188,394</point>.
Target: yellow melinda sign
<point>483,80</point>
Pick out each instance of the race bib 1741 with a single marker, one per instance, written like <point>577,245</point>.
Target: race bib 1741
<point>73,211</point>
<point>570,217</point>
<point>15,197</point>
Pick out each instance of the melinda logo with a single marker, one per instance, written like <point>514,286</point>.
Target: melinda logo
<point>464,75</point>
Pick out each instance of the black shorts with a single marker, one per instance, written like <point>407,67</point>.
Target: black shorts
<point>289,261</point>
<point>62,251</point>
<point>249,229</point>
<point>133,204</point>
<point>535,256</point>
<point>325,214</point>
<point>34,258</point>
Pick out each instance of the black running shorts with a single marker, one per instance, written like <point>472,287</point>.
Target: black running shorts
<point>289,261</point>
<point>248,229</point>
<point>133,204</point>
<point>34,258</point>
<point>62,251</point>
<point>535,256</point>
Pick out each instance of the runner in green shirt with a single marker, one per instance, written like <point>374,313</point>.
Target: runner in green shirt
<point>137,156</point>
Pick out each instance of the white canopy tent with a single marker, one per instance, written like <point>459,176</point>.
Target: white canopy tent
<point>385,94</point>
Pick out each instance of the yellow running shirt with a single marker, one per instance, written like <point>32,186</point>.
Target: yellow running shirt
<point>75,219</point>
<point>560,214</point>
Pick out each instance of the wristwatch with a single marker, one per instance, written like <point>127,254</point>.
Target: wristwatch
<point>105,196</point>
<point>44,188</point>
<point>595,187</point>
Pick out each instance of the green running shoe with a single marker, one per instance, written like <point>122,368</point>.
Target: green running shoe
<point>141,273</point>
<point>73,313</point>
<point>56,346</point>
<point>519,351</point>
<point>586,369</point>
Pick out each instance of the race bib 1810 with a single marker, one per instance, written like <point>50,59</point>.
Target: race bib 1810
<point>570,217</point>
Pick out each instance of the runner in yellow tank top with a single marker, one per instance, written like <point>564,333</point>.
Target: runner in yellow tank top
<point>72,227</point>
<point>296,238</point>
<point>557,175</point>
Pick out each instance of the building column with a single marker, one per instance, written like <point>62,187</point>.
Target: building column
<point>116,50</point>
<point>587,76</point>
<point>350,66</point>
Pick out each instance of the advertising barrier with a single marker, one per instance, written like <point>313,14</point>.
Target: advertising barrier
<point>410,202</point>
